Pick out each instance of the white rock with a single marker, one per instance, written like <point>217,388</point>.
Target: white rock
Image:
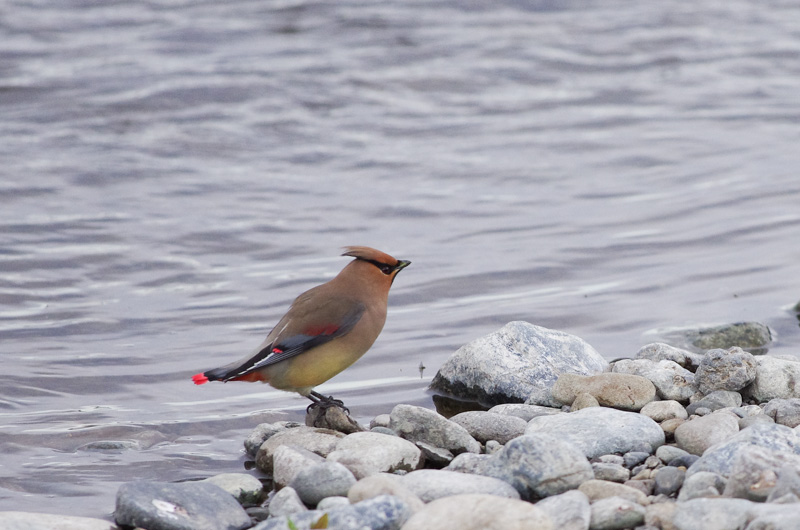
<point>431,484</point>
<point>664,410</point>
<point>368,453</point>
<point>479,512</point>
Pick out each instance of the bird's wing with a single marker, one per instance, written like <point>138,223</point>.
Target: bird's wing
<point>305,326</point>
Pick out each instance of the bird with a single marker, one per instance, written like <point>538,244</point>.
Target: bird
<point>325,330</point>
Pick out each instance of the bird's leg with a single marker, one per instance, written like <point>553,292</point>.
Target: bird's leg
<point>325,401</point>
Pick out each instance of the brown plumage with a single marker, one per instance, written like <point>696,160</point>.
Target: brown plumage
<point>326,329</point>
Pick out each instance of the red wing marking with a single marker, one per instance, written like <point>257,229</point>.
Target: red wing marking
<point>251,377</point>
<point>315,331</point>
<point>199,379</point>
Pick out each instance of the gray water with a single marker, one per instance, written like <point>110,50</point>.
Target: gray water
<point>174,173</point>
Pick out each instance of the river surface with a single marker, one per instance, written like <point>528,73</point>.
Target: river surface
<point>174,173</point>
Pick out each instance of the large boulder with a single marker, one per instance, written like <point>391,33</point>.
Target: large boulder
<point>518,363</point>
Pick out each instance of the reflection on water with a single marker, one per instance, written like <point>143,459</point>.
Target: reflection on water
<point>175,174</point>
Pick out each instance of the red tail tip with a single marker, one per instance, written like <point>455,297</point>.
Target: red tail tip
<point>199,379</point>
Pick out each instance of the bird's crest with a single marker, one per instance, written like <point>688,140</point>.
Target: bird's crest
<point>370,254</point>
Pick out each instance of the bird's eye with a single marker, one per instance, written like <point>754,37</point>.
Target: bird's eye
<point>386,269</point>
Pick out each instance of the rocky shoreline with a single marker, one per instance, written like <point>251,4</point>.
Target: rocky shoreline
<point>673,438</point>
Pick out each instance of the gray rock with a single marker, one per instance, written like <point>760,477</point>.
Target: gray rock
<point>775,438</point>
<point>775,378</point>
<point>729,514</point>
<point>611,459</point>
<point>480,512</point>
<point>436,457</point>
<point>671,380</point>
<point>539,465</point>
<point>659,516</point>
<point>755,471</point>
<point>596,490</point>
<point>262,432</point>
<point>600,431</point>
<point>367,453</point>
<point>716,400</point>
<point>430,484</point>
<point>658,351</point>
<point>46,521</point>
<point>659,411</point>
<point>684,461</point>
<point>731,369</point>
<point>526,412</point>
<point>784,411</point>
<point>246,489</point>
<point>667,453</point>
<point>334,418</point>
<point>468,463</point>
<point>288,461</point>
<point>327,479</point>
<point>615,513</point>
<point>753,420</point>
<point>568,511</point>
<point>492,446</point>
<point>701,484</point>
<point>646,486</point>
<point>383,430</point>
<point>787,486</point>
<point>331,503</point>
<point>669,480</point>
<point>610,472</point>
<point>319,441</point>
<point>698,434</point>
<point>381,420</point>
<point>180,506</point>
<point>485,426</point>
<point>519,362</point>
<point>419,424</point>
<point>622,391</point>
<point>286,502</point>
<point>751,336</point>
<point>384,484</point>
<point>380,513</point>
<point>634,458</point>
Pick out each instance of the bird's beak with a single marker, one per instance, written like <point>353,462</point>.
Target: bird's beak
<point>401,264</point>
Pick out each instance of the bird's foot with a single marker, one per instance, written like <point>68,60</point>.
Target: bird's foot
<point>325,402</point>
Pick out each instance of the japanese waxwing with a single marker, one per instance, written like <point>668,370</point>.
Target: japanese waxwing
<point>326,329</point>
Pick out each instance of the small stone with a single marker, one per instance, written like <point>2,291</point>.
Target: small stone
<point>701,484</point>
<point>599,430</point>
<point>479,512</point>
<point>611,459</point>
<point>380,513</point>
<point>697,435</point>
<point>286,502</point>
<point>246,489</point>
<point>669,426</point>
<point>331,503</point>
<point>334,418</point>
<point>178,506</point>
<point>468,463</point>
<point>664,410</point>
<point>367,453</point>
<point>775,378</point>
<point>784,411</point>
<point>667,453</point>
<point>622,391</point>
<point>720,369</point>
<point>431,484</point>
<point>601,489</point>
<point>526,412</point>
<point>668,480</point>
<point>684,461</point>
<point>584,400</point>
<point>327,479</point>
<point>419,424</point>
<point>568,511</point>
<point>615,513</point>
<point>381,420</point>
<point>611,472</point>
<point>384,484</point>
<point>634,458</point>
<point>319,441</point>
<point>262,432</point>
<point>518,362</point>
<point>658,351</point>
<point>484,426</point>
<point>436,457</point>
<point>672,381</point>
<point>492,446</point>
<point>539,465</point>
<point>288,461</point>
